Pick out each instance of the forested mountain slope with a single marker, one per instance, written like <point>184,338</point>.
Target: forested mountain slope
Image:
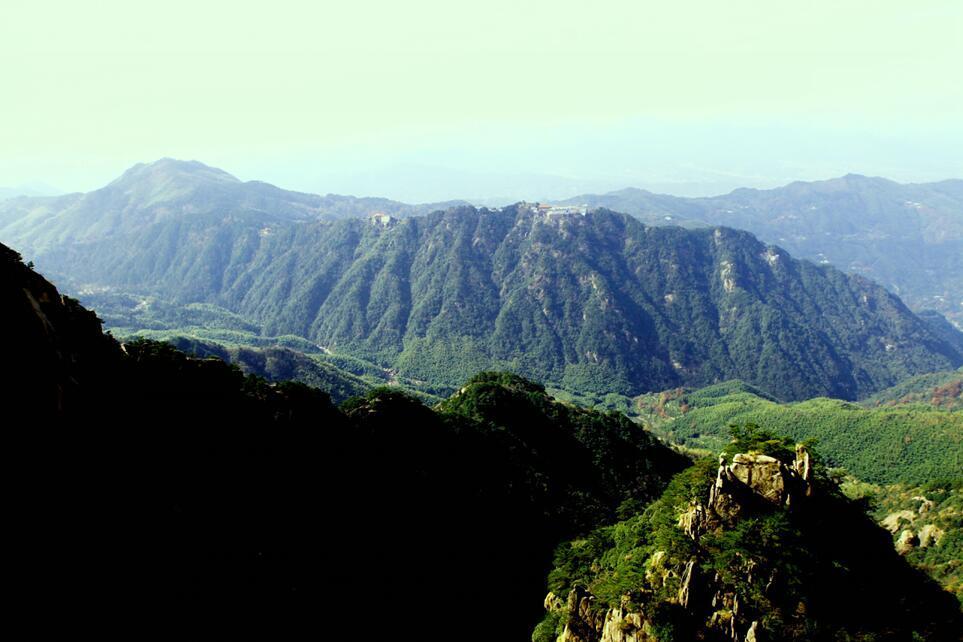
<point>907,237</point>
<point>597,302</point>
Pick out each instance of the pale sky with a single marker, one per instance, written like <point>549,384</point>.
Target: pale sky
<point>431,99</point>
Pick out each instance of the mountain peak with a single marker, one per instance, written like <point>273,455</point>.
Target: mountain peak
<point>174,169</point>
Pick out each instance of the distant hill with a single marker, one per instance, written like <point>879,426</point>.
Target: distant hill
<point>908,238</point>
<point>943,390</point>
<point>912,444</point>
<point>31,189</point>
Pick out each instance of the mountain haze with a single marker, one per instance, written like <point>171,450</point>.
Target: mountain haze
<point>171,190</point>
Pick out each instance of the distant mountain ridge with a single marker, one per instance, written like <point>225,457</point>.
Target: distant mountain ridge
<point>171,189</point>
<point>597,302</point>
<point>907,237</point>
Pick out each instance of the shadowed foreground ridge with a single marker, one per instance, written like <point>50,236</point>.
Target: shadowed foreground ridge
<point>160,493</point>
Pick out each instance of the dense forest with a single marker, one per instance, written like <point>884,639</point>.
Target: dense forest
<point>910,443</point>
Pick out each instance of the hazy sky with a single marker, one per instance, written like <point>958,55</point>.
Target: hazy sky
<point>429,99</point>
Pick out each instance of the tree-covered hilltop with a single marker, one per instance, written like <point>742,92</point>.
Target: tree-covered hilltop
<point>158,493</point>
<point>593,303</point>
<point>942,390</point>
<point>280,364</point>
<point>913,443</point>
<point>759,547</point>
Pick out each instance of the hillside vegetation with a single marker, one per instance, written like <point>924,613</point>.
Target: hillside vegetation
<point>229,505</point>
<point>926,524</point>
<point>913,444</point>
<point>942,390</point>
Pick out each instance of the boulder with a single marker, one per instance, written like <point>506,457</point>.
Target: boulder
<point>762,473</point>
<point>930,535</point>
<point>907,541</point>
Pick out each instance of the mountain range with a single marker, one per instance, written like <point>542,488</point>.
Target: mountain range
<point>597,302</point>
<point>908,238</point>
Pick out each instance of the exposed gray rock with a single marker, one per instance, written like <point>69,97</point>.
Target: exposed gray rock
<point>762,473</point>
<point>893,521</point>
<point>930,535</point>
<point>625,625</point>
<point>907,541</point>
<point>925,504</point>
<point>751,481</point>
<point>687,588</point>
<point>752,633</point>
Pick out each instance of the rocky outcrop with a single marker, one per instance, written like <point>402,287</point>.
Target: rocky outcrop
<point>925,504</point>
<point>584,622</point>
<point>763,474</point>
<point>751,482</point>
<point>930,535</point>
<point>687,588</point>
<point>907,541</point>
<point>909,527</point>
<point>623,625</point>
<point>894,521</point>
<point>751,634</point>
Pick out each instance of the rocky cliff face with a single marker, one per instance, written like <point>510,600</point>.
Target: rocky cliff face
<point>748,485</point>
<point>758,547</point>
<point>585,623</point>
